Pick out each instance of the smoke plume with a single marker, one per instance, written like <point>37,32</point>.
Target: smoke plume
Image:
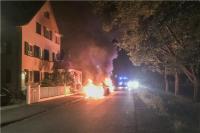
<point>86,46</point>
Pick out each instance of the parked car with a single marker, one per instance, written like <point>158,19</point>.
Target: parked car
<point>5,96</point>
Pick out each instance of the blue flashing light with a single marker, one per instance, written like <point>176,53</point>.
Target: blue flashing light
<point>120,83</point>
<point>123,78</point>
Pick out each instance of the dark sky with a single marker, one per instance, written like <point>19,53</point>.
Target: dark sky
<point>85,45</point>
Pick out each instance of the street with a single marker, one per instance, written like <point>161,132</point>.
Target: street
<point>117,113</point>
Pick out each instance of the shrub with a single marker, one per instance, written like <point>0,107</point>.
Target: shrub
<point>58,79</point>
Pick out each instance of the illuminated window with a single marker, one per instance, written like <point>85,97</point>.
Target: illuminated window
<point>38,28</point>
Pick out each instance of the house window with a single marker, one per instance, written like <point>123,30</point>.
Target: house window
<point>8,76</point>
<point>28,49</point>
<point>36,51</point>
<point>36,75</point>
<point>53,56</point>
<point>38,28</point>
<point>46,14</point>
<point>57,40</point>
<point>46,54</point>
<point>47,33</point>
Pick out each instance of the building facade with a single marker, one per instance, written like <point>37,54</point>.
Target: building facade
<point>35,46</point>
<point>40,45</point>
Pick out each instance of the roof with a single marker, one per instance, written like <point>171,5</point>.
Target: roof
<point>20,13</point>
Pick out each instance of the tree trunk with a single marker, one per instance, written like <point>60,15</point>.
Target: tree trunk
<point>166,81</point>
<point>176,83</point>
<point>195,82</point>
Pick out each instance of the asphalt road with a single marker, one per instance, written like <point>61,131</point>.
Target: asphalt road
<point>117,113</point>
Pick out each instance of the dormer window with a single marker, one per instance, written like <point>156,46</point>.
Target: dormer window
<point>46,14</point>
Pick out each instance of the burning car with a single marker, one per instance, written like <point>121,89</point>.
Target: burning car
<point>92,90</point>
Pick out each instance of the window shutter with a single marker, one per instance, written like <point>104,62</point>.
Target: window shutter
<point>41,54</point>
<point>26,48</point>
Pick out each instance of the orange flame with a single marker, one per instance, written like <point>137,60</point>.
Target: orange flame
<point>93,91</point>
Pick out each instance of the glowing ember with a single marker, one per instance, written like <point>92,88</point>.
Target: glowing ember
<point>93,91</point>
<point>109,83</point>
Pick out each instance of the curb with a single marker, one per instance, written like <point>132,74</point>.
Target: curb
<point>2,108</point>
<point>37,113</point>
<point>12,106</point>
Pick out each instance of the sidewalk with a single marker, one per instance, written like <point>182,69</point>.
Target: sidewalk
<point>22,112</point>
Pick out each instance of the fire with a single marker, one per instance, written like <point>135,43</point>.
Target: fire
<point>108,82</point>
<point>98,91</point>
<point>93,91</point>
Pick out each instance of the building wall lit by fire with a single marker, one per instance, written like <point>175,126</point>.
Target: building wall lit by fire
<point>30,48</point>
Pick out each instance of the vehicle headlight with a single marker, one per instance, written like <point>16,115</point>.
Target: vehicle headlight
<point>133,84</point>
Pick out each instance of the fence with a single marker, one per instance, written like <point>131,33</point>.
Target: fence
<point>37,93</point>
